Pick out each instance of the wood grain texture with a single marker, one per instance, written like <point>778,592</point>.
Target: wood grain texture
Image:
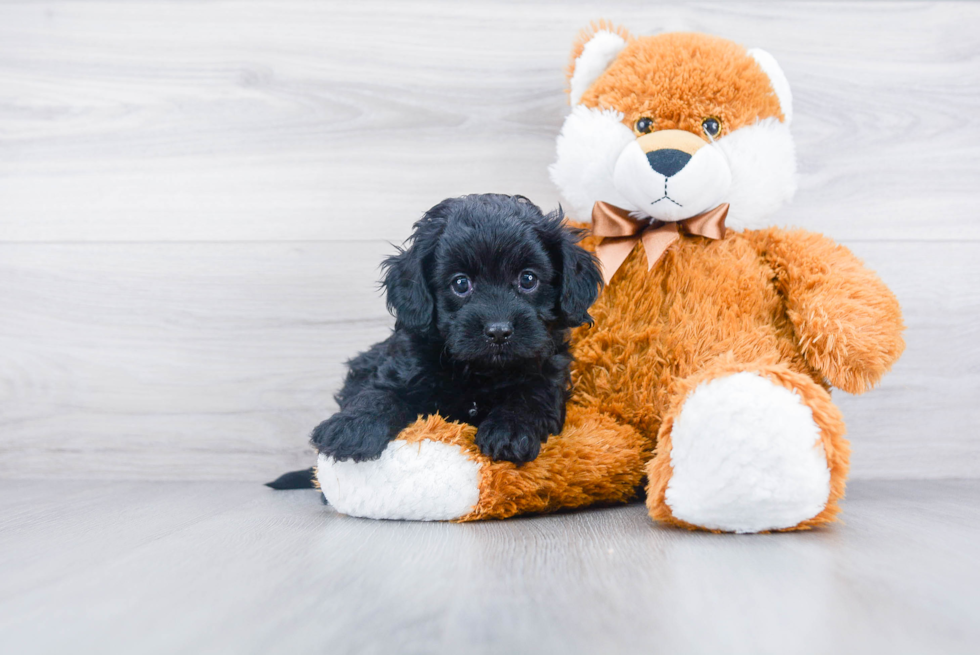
<point>120,567</point>
<point>333,120</point>
<point>214,361</point>
<point>194,198</point>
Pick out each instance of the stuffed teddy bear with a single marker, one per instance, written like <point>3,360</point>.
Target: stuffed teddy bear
<point>707,371</point>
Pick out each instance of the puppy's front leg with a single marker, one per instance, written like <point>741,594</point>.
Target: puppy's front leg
<point>363,428</point>
<point>515,429</point>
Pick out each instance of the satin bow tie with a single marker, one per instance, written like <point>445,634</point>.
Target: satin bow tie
<point>620,232</point>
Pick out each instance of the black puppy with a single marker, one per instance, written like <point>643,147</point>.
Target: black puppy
<point>484,295</point>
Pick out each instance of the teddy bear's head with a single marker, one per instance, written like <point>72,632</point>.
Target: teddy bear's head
<point>673,125</point>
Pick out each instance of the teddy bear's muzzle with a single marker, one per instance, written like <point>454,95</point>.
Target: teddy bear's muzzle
<point>672,175</point>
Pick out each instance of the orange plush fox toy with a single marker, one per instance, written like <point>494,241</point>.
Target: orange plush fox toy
<point>708,369</point>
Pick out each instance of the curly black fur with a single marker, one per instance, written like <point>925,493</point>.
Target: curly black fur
<point>443,355</point>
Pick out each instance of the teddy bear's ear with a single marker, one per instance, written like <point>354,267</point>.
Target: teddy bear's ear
<point>596,47</point>
<point>777,79</point>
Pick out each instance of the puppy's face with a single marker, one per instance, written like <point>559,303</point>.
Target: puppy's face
<point>494,287</point>
<point>493,278</point>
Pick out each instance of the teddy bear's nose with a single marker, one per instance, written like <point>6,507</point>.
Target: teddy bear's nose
<point>668,161</point>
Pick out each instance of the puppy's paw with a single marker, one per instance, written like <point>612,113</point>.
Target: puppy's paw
<point>355,436</point>
<point>506,436</point>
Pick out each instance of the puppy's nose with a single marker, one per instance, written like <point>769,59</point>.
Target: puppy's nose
<point>498,332</point>
<point>668,161</point>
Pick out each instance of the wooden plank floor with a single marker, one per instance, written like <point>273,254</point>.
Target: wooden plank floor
<point>207,567</point>
<point>194,198</point>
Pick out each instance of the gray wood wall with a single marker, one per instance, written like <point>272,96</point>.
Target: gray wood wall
<point>194,198</point>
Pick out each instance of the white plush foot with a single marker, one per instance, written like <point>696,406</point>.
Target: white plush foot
<point>746,457</point>
<point>425,481</point>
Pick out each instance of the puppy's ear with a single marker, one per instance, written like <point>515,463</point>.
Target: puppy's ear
<point>581,278</point>
<point>405,280</point>
<point>406,291</point>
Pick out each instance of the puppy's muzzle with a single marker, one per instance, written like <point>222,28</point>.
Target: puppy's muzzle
<point>498,332</point>
<point>669,151</point>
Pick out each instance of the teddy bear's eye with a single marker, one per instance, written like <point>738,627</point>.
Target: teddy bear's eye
<point>644,125</point>
<point>711,126</point>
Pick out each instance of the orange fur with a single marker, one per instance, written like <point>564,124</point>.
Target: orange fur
<point>585,35</point>
<point>708,309</point>
<point>680,79</point>
<point>848,323</point>
<point>791,306</point>
<point>595,460</point>
<point>714,307</point>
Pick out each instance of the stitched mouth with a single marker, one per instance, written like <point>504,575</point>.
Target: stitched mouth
<point>665,196</point>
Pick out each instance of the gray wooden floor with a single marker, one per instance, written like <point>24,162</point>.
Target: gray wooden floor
<point>194,198</point>
<point>208,567</point>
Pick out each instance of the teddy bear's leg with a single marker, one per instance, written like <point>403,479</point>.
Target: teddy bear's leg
<point>434,471</point>
<point>748,448</point>
<point>428,473</point>
<point>595,460</point>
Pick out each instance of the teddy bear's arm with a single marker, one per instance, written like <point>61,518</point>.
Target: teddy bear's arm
<point>848,323</point>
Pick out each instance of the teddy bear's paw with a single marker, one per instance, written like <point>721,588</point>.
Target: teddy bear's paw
<point>423,481</point>
<point>746,457</point>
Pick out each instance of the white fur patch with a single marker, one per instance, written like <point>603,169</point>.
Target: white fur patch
<point>601,50</point>
<point>701,185</point>
<point>746,457</point>
<point>760,176</point>
<point>425,481</point>
<point>777,78</point>
<point>589,144</point>
<point>762,159</point>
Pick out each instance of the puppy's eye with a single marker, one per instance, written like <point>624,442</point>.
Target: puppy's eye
<point>711,126</point>
<point>527,282</point>
<point>643,126</point>
<point>461,286</point>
